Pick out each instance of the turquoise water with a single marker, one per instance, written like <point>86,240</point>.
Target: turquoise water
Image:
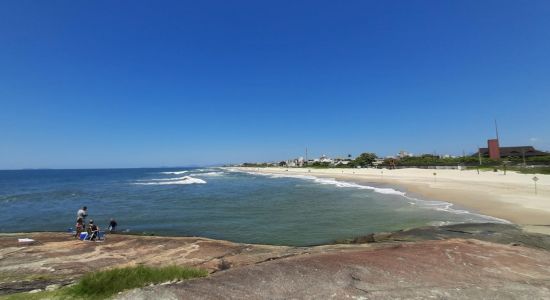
<point>215,203</point>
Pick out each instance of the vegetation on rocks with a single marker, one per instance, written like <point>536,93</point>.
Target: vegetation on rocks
<point>103,284</point>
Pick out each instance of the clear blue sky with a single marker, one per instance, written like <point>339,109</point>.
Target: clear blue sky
<point>171,83</point>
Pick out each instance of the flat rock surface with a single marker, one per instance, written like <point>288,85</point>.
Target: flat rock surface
<point>57,258</point>
<point>496,261</point>
<point>456,268</point>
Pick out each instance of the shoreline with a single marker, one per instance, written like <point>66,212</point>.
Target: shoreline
<point>509,197</point>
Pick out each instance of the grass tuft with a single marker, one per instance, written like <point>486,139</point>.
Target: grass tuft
<point>106,283</point>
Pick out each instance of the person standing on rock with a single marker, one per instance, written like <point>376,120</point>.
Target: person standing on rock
<point>79,227</point>
<point>112,225</point>
<point>82,213</point>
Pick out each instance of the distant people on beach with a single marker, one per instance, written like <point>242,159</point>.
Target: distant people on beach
<point>79,227</point>
<point>93,230</point>
<point>112,225</point>
<point>82,213</point>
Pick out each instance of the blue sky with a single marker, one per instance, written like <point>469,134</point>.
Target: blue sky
<point>92,84</point>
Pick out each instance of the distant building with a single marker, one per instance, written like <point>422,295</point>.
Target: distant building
<point>494,151</point>
<point>296,162</point>
<point>326,159</point>
<point>403,154</point>
<point>378,161</point>
<point>341,161</point>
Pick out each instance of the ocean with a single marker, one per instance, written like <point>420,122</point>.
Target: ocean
<point>216,203</point>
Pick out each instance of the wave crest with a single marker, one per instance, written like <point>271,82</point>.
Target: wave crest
<point>167,181</point>
<point>208,174</point>
<point>174,172</point>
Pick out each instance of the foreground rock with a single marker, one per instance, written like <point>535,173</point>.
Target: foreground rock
<point>473,260</point>
<point>56,258</point>
<point>490,232</point>
<point>457,269</point>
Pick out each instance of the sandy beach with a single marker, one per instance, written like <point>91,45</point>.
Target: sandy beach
<point>510,197</point>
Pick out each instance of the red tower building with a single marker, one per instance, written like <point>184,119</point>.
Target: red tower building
<point>494,149</point>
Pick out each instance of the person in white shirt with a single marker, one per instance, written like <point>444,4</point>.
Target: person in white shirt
<point>82,213</point>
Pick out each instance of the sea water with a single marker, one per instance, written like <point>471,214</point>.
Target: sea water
<point>217,203</point>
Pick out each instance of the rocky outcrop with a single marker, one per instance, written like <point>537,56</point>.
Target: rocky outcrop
<point>490,232</point>
<point>57,258</point>
<point>447,269</point>
<point>473,260</point>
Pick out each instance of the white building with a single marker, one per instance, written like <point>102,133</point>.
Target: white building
<point>341,161</point>
<point>403,154</point>
<point>325,159</point>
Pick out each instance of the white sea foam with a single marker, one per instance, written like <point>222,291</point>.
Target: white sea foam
<point>165,179</point>
<point>435,205</point>
<point>332,181</point>
<point>207,174</point>
<point>181,180</point>
<point>441,223</point>
<point>271,175</point>
<point>387,191</point>
<point>175,172</point>
<point>202,170</point>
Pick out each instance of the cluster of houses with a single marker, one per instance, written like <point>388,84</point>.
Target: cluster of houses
<point>526,151</point>
<point>341,161</point>
<point>493,151</point>
<point>323,159</point>
<point>300,161</point>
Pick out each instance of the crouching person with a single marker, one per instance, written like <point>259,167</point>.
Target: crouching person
<point>93,231</point>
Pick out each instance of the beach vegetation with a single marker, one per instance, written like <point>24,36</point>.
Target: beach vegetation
<point>434,160</point>
<point>104,284</point>
<point>539,160</point>
<point>528,170</point>
<point>364,160</point>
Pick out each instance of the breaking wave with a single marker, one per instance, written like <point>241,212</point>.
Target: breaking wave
<point>175,172</point>
<point>208,174</point>
<point>332,181</point>
<point>167,181</point>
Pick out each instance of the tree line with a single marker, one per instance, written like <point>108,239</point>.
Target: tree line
<point>368,159</point>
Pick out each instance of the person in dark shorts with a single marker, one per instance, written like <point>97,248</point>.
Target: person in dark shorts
<point>93,230</point>
<point>112,225</point>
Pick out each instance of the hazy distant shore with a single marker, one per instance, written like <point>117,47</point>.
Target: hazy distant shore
<point>510,197</point>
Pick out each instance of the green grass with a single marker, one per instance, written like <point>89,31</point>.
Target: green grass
<point>536,170</point>
<point>103,284</point>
